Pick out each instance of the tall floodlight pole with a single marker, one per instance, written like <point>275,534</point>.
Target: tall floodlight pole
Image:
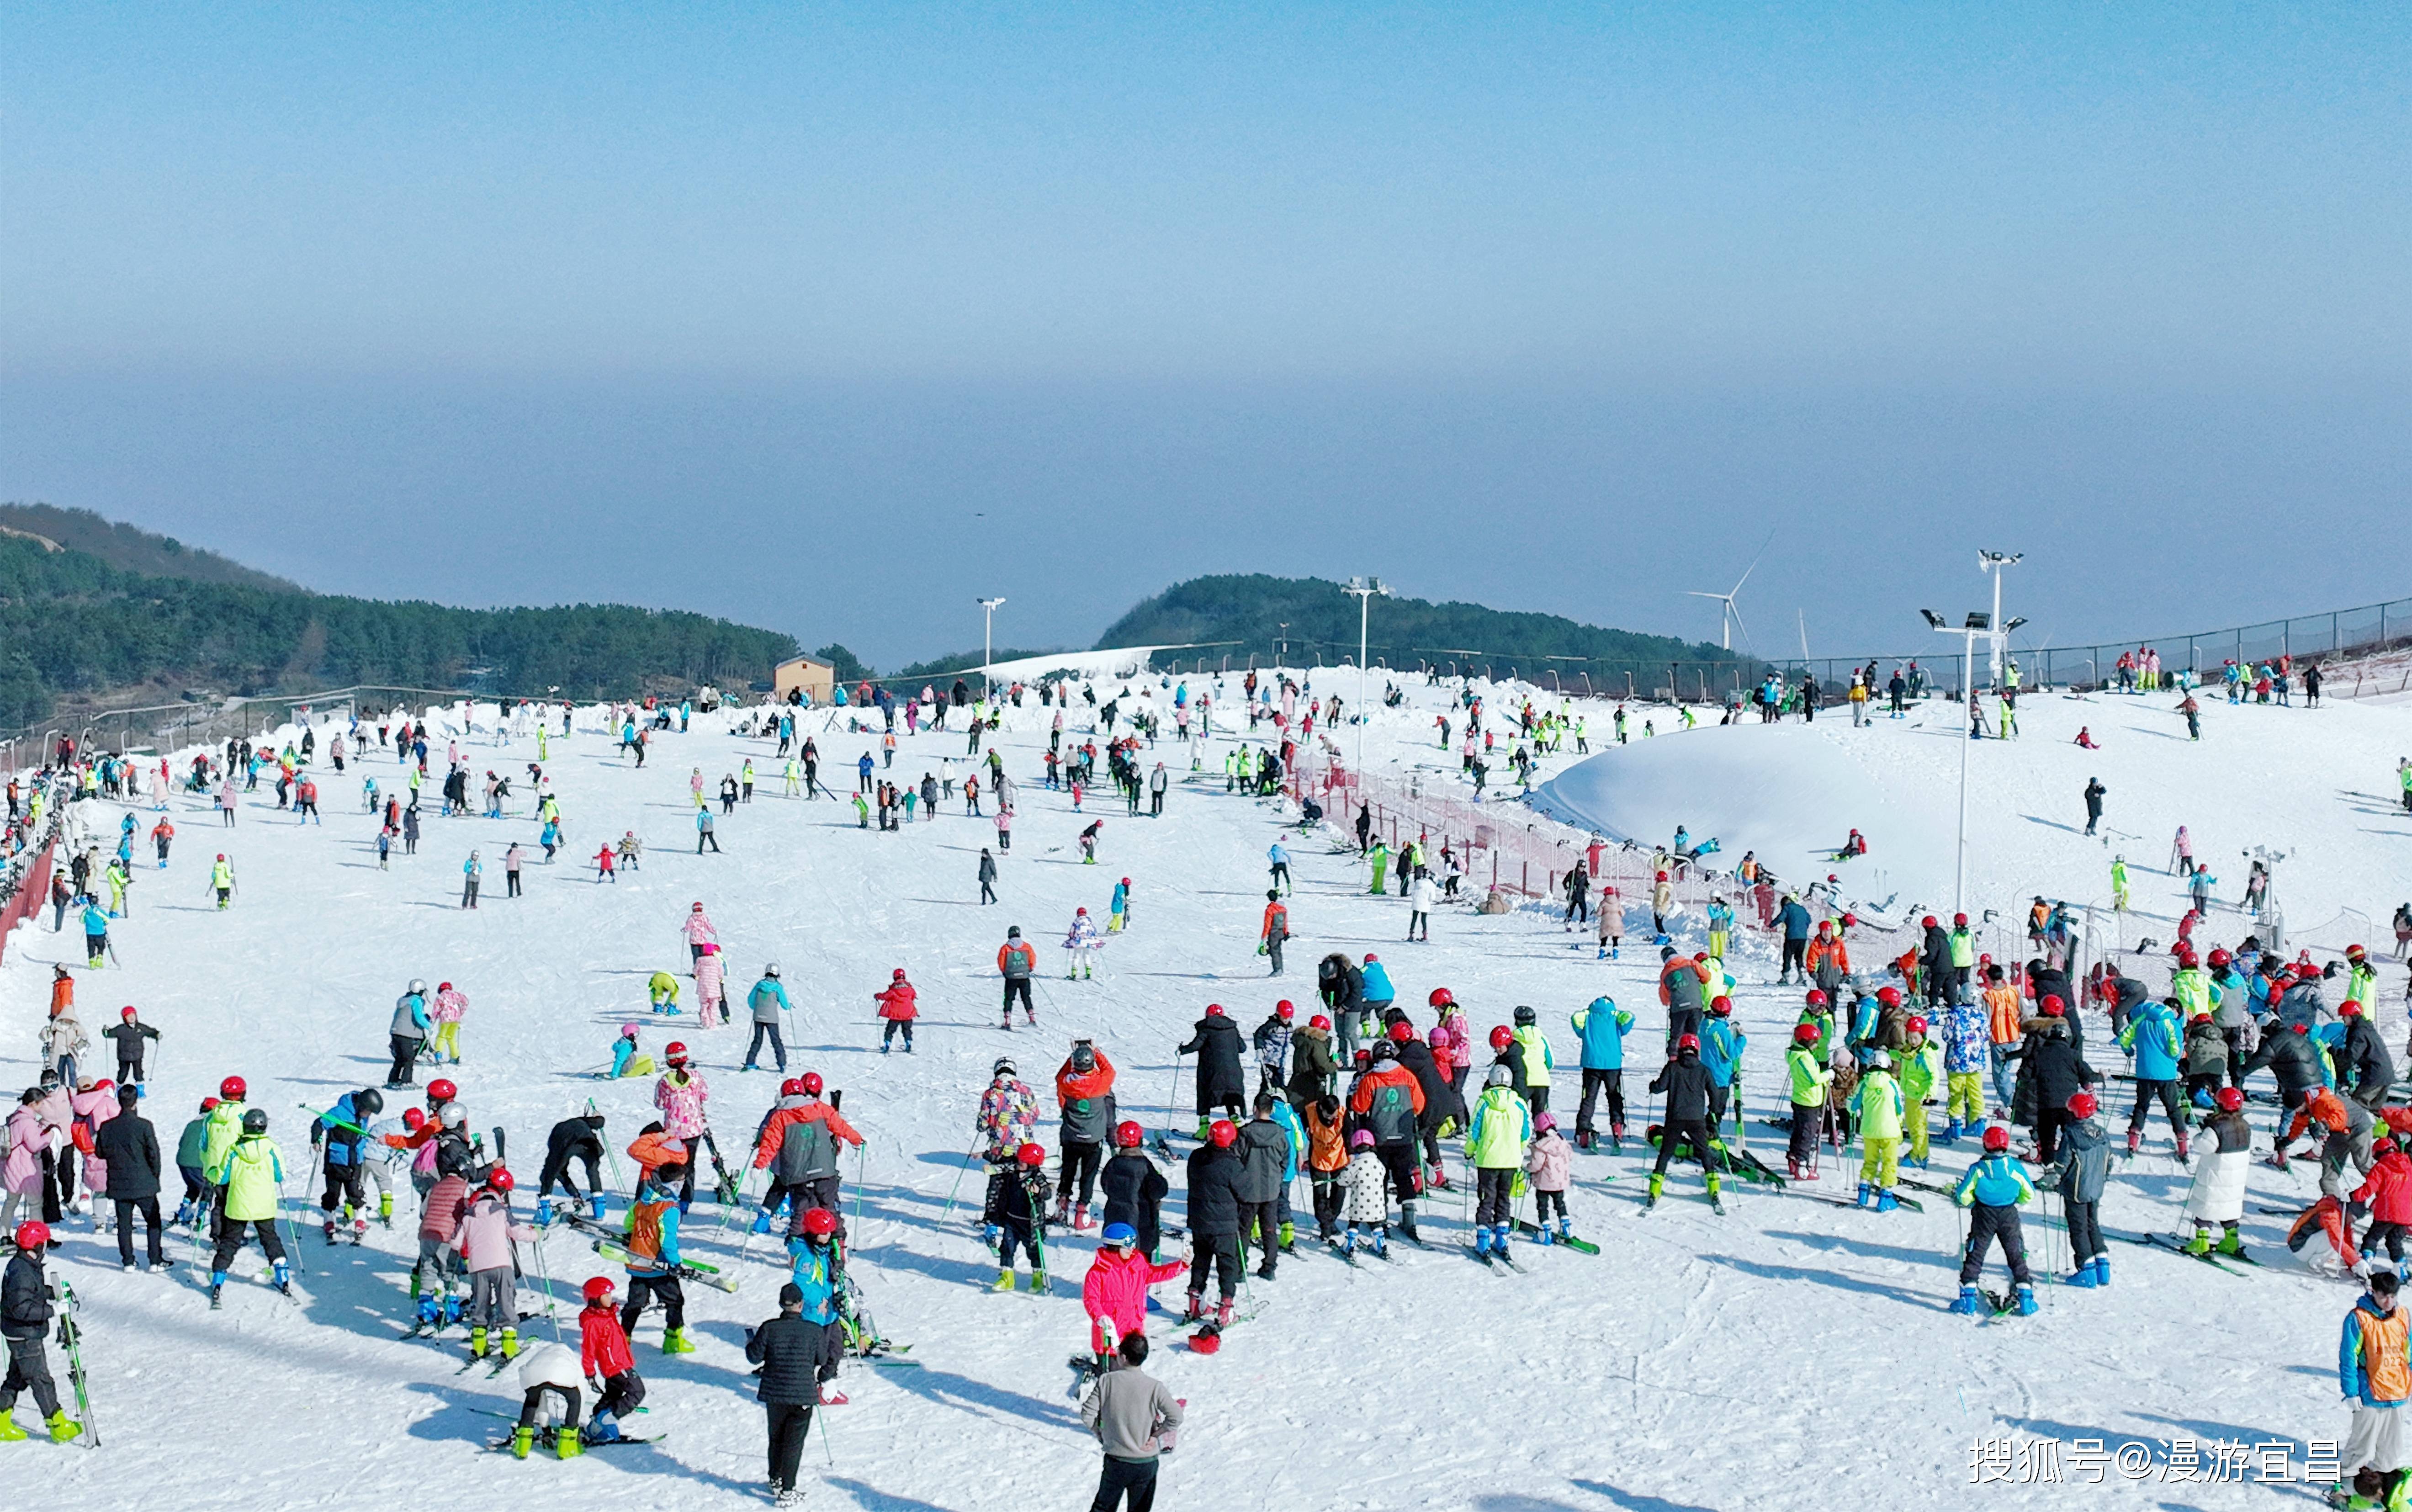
<point>988,641</point>
<point>1364,587</point>
<point>1994,562</point>
<point>1978,622</point>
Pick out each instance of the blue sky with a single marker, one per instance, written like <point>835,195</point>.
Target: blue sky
<point>835,317</point>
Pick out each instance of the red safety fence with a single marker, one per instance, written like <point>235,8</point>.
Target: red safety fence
<point>31,892</point>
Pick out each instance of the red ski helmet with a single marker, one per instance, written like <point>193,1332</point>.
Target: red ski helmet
<point>1816,997</point>
<point>2219,958</point>
<point>1928,922</point>
<point>1401,1032</point>
<point>809,1083</point>
<point>233,1088</point>
<point>1689,1042</point>
<point>500,1178</point>
<point>441,1090</point>
<point>1128,1134</point>
<point>819,1223</point>
<point>1441,998</point>
<point>2053,1007</point>
<point>1224,1133</point>
<point>1888,996</point>
<point>1916,1025</point>
<point>1318,1021</point>
<point>413,1118</point>
<point>1214,1010</point>
<point>1721,1005</point>
<point>1805,1034</point>
<point>1501,1036</point>
<point>597,1288</point>
<point>896,976</point>
<point>790,1087</point>
<point>1284,1010</point>
<point>1032,1154</point>
<point>126,1012</point>
<point>675,1052</point>
<point>32,1234</point>
<point>1997,1138</point>
<point>2230,1099</point>
<point>2081,1104</point>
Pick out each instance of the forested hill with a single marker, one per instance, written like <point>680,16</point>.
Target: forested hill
<point>74,628</point>
<point>1322,618</point>
<point>131,548</point>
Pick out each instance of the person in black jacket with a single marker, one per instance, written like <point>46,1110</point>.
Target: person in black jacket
<point>2044,983</point>
<point>2292,1058</point>
<point>130,1146</point>
<point>1340,982</point>
<point>2123,994</point>
<point>2364,1063</point>
<point>129,1033</point>
<point>1222,1083</point>
<point>2094,792</point>
<point>25,1322</point>
<point>1935,967</point>
<point>788,1349</point>
<point>1440,1103</point>
<point>2051,1070</point>
<point>1215,1174</point>
<point>1264,1160</point>
<point>1685,1083</point>
<point>579,1138</point>
<point>1134,1190</point>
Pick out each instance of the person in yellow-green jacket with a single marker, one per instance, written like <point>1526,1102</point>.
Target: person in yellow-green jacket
<point>663,989</point>
<point>1878,1102</point>
<point>1381,859</point>
<point>1503,1125</point>
<point>225,1126</point>
<point>254,1178</point>
<point>1811,1082</point>
<point>1964,959</point>
<point>2119,885</point>
<point>1921,1064</point>
<point>1533,1049</point>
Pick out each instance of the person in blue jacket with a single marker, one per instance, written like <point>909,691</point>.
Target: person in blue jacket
<point>2155,1037</point>
<point>1377,993</point>
<point>818,1275</point>
<point>1992,1191</point>
<point>1600,1029</point>
<point>862,774</point>
<point>345,1131</point>
<point>1721,1047</point>
<point>1793,920</point>
<point>95,931</point>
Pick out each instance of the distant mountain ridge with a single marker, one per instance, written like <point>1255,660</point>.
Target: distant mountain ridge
<point>1251,610</point>
<point>132,549</point>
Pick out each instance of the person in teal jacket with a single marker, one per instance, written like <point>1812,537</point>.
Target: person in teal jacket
<point>1993,1191</point>
<point>95,931</point>
<point>1721,1047</point>
<point>1720,925</point>
<point>1600,1030</point>
<point>1503,1125</point>
<point>2157,1037</point>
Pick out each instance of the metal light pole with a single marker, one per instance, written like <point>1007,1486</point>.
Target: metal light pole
<point>1978,622</point>
<point>1364,587</point>
<point>987,639</point>
<point>1994,562</point>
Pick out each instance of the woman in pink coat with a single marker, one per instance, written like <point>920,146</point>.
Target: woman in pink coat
<point>21,1174</point>
<point>698,931</point>
<point>710,988</point>
<point>95,1105</point>
<point>1114,1292</point>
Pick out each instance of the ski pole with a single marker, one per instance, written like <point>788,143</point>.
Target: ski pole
<point>552,1310</point>
<point>1169,1097</point>
<point>959,1180</point>
<point>861,1166</point>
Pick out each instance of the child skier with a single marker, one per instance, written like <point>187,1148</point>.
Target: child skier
<point>250,1174</point>
<point>1878,1104</point>
<point>897,1006</point>
<point>1548,1161</point>
<point>1016,1212</point>
<point>663,989</point>
<point>26,1320</point>
<point>483,1241</point>
<point>1367,1203</point>
<point>625,1059</point>
<point>1922,1071</point>
<point>2084,1170</point>
<point>1081,943</point>
<point>1114,1292</point>
<point>2217,1196</point>
<point>652,1246</point>
<point>604,1356</point>
<point>1994,1190</point>
<point>1811,1082</point>
<point>1133,1189</point>
<point>450,1007</point>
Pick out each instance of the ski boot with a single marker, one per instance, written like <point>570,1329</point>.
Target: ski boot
<point>183,1215</point>
<point>602,1427</point>
<point>451,1311</point>
<point>2230,1241</point>
<point>544,1212</point>
<point>1197,1308</point>
<point>282,1277</point>
<point>1967,1303</point>
<point>2102,1270</point>
<point>567,1442</point>
<point>1080,1218</point>
<point>1867,1194</point>
<point>1407,1222</point>
<point>1289,1239</point>
<point>1565,1230</point>
<point>1205,1126</point>
<point>2181,1148</point>
<point>431,1313</point>
<point>2084,1276</point>
<point>1886,1201</point>
<point>1381,1244</point>
<point>2201,1243</point>
<point>522,1440</point>
<point>510,1342</point>
<point>1006,1280</point>
<point>1437,1179</point>
<point>675,1342</point>
<point>1482,1243</point>
<point>1716,1203</point>
<point>1616,1138</point>
<point>1950,1132</point>
<point>9,1431</point>
<point>761,1223</point>
<point>1223,1311</point>
<point>1657,1183</point>
<point>477,1342</point>
<point>2026,1301</point>
<point>2135,1137</point>
<point>62,1428</point>
<point>330,1226</point>
<point>1586,1138</point>
<point>595,1206</point>
<point>385,1208</point>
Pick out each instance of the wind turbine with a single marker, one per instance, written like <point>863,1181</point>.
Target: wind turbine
<point>1729,616</point>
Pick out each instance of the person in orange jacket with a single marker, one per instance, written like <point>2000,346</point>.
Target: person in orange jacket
<point>1015,962</point>
<point>803,1136</point>
<point>1084,1085</point>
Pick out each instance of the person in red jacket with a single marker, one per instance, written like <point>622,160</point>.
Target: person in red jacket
<point>896,1006</point>
<point>808,1168</point>
<point>2387,1197</point>
<point>609,1367</point>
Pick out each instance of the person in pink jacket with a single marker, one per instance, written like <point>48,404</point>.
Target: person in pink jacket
<point>21,1174</point>
<point>1550,1161</point>
<point>451,1005</point>
<point>711,990</point>
<point>1452,1049</point>
<point>698,931</point>
<point>482,1240</point>
<point>679,1094</point>
<point>1114,1292</point>
<point>58,1111</point>
<point>95,1105</point>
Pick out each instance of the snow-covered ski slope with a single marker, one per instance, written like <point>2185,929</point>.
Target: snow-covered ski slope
<point>1793,1353</point>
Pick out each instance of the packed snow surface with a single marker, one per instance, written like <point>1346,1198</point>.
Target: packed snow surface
<point>1794,1353</point>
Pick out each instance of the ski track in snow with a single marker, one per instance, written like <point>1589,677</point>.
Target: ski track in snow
<point>1791,1354</point>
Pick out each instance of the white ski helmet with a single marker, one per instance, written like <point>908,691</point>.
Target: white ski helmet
<point>770,970</point>
<point>452,1116</point>
<point>418,986</point>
